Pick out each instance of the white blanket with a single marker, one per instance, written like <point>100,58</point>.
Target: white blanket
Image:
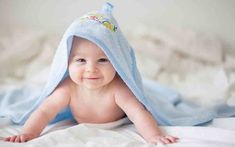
<point>219,133</point>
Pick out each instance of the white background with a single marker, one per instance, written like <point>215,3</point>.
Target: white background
<point>54,16</point>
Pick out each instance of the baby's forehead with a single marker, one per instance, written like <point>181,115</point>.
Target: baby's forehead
<point>86,53</point>
<point>80,42</point>
<point>83,46</point>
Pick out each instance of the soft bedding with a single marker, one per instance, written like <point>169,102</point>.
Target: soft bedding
<point>219,133</point>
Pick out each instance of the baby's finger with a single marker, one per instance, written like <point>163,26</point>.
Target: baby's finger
<point>7,139</point>
<point>23,138</point>
<point>164,140</point>
<point>172,139</point>
<point>12,139</point>
<point>17,139</point>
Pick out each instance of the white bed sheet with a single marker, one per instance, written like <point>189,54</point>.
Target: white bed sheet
<point>219,133</point>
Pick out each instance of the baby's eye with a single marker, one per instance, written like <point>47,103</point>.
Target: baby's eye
<point>80,60</point>
<point>102,60</point>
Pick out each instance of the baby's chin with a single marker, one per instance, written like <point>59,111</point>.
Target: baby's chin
<point>95,85</point>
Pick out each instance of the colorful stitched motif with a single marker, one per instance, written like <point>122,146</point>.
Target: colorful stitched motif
<point>101,19</point>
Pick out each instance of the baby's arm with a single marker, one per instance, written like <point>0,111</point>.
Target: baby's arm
<point>39,119</point>
<point>142,119</point>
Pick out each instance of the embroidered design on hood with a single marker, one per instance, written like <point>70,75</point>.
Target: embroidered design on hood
<point>101,19</point>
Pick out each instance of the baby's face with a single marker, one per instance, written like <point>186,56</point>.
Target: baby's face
<point>88,65</point>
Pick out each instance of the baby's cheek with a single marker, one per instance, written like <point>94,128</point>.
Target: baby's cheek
<point>74,72</point>
<point>74,69</point>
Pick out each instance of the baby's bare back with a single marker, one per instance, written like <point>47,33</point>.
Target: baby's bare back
<point>98,107</point>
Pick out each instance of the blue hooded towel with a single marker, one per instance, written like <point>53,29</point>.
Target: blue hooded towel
<point>100,27</point>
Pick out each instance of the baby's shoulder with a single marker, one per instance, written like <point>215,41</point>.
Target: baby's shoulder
<point>119,86</point>
<point>64,86</point>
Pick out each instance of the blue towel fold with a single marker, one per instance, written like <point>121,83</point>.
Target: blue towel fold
<point>100,27</point>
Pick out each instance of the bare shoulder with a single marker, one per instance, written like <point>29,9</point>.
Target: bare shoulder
<point>65,85</point>
<point>62,90</point>
<point>58,99</point>
<point>125,99</point>
<point>121,90</point>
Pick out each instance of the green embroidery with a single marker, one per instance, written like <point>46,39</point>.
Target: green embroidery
<point>101,19</point>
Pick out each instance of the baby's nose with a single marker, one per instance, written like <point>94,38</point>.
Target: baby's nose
<point>91,67</point>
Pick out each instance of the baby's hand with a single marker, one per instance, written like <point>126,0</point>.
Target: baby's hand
<point>20,138</point>
<point>164,139</point>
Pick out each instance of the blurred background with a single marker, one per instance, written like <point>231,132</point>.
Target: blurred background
<point>53,16</point>
<point>188,45</point>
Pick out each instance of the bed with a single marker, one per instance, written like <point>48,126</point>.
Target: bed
<point>197,64</point>
<point>219,133</point>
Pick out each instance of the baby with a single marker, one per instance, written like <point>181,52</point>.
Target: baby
<point>92,82</point>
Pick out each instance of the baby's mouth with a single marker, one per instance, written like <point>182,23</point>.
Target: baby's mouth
<point>92,78</point>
